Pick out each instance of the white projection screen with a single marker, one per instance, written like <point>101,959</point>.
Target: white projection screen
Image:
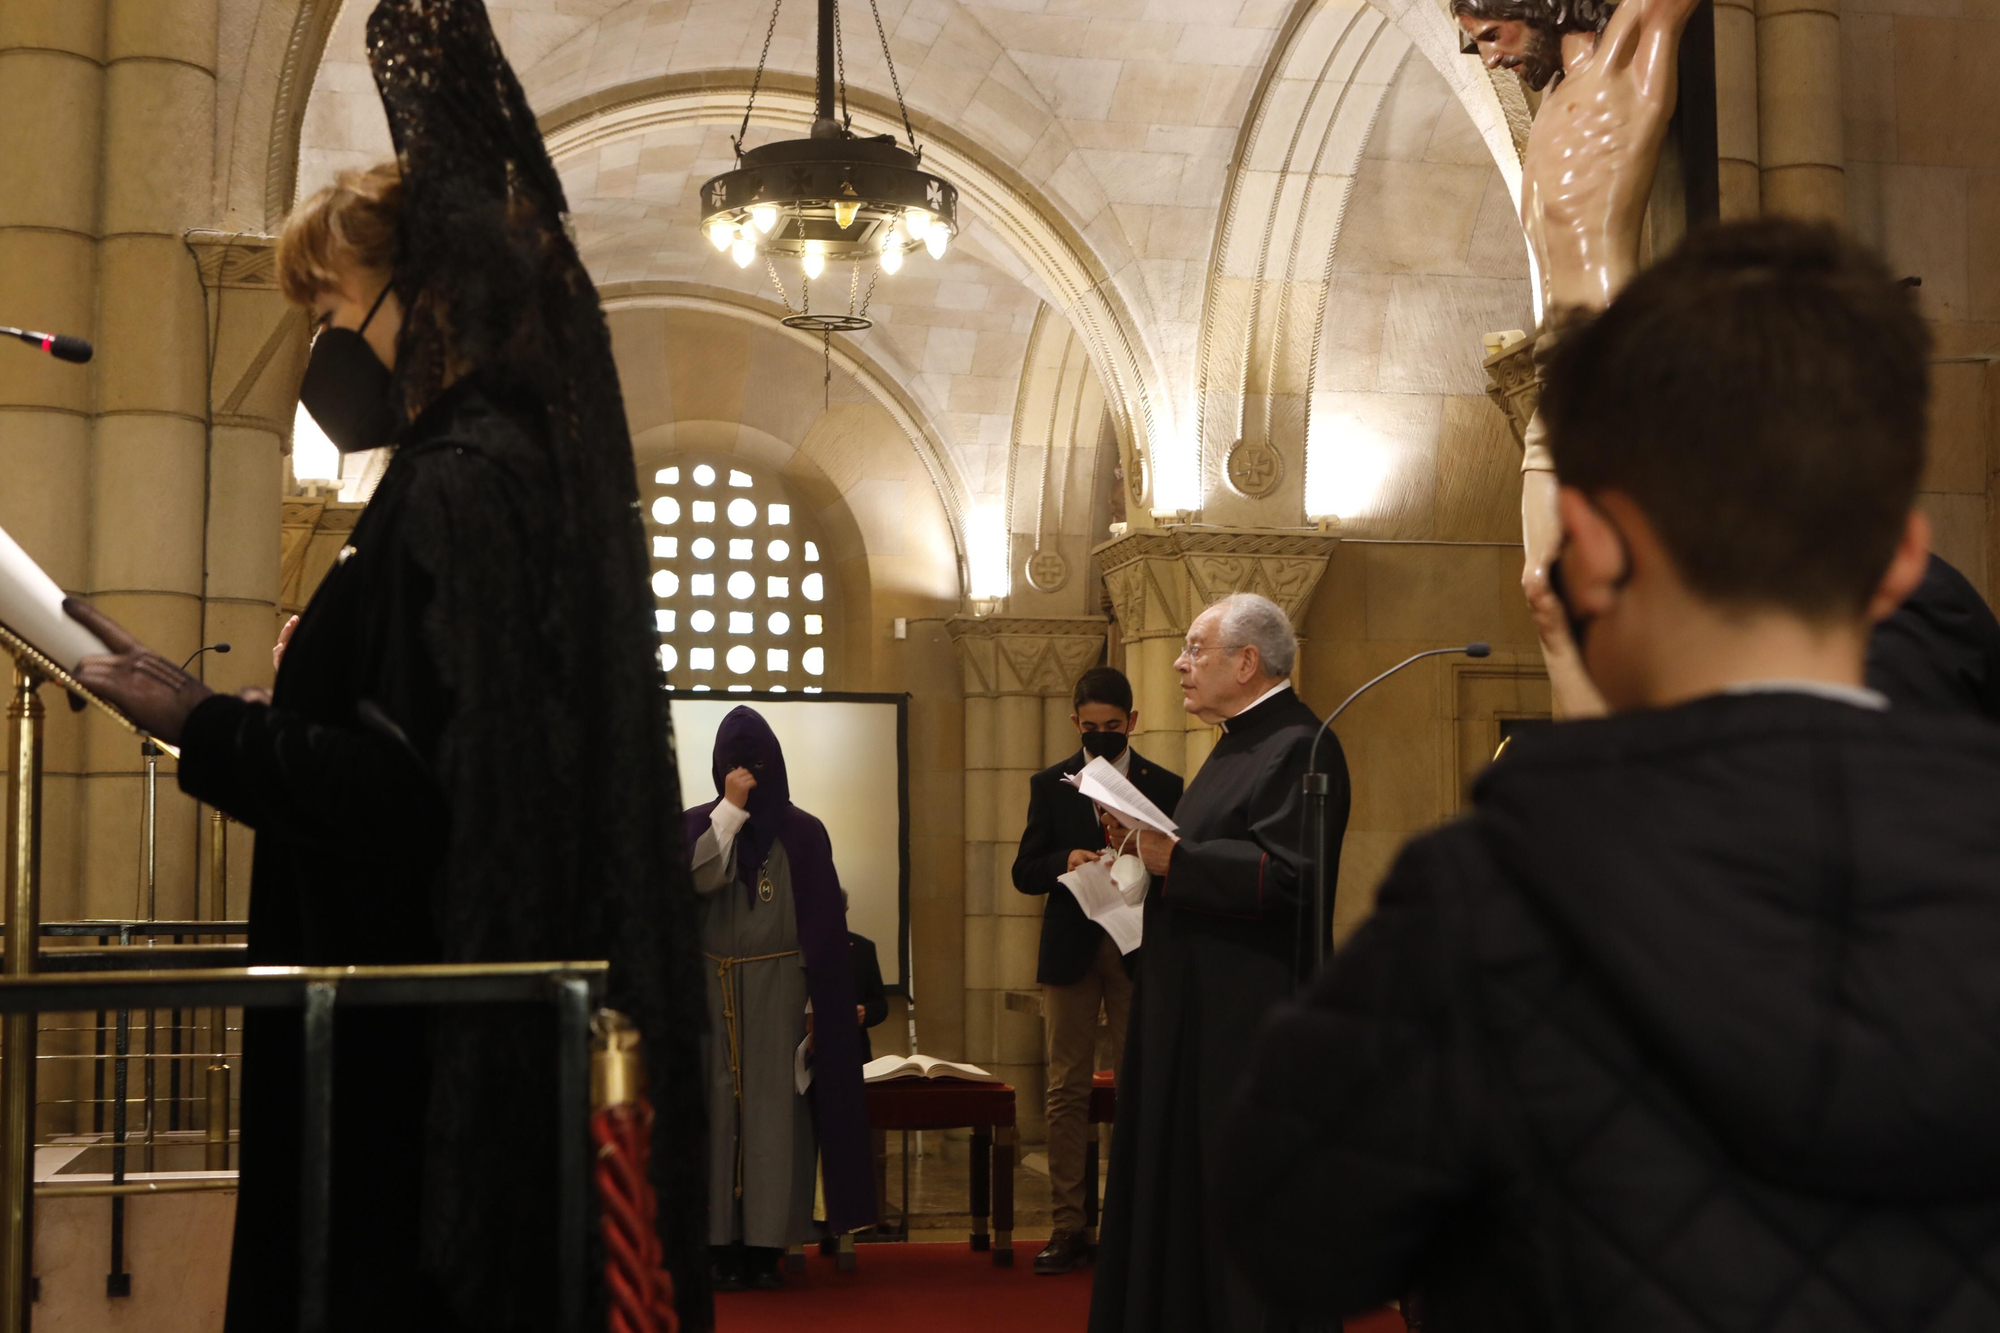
<point>847,758</point>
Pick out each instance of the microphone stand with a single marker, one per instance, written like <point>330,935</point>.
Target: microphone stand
<point>1319,794</point>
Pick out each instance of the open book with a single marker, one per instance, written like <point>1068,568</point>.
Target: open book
<point>921,1066</point>
<point>1111,789</point>
<point>31,606</point>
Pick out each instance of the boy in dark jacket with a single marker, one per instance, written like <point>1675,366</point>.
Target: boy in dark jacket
<point>1689,1024</point>
<point>1080,970</point>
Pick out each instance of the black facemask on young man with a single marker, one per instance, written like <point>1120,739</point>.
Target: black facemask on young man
<point>348,390</point>
<point>1107,745</point>
<point>1579,625</point>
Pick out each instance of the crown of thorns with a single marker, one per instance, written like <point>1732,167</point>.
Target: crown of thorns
<point>1558,15</point>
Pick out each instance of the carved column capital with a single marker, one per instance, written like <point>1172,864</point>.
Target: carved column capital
<point>260,339</point>
<point>313,531</point>
<point>1161,580</point>
<point>1512,384</point>
<point>1004,655</point>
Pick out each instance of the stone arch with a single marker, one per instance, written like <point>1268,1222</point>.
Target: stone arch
<point>703,375</point>
<point>1274,293</point>
<point>1062,265</point>
<point>885,389</point>
<point>262,97</point>
<point>1272,271</point>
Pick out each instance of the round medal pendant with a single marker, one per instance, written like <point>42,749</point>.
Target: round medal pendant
<point>765,889</point>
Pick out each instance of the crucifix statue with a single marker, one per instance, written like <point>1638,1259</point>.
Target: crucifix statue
<point>1610,78</point>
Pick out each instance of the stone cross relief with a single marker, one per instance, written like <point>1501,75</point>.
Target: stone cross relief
<point>1611,76</point>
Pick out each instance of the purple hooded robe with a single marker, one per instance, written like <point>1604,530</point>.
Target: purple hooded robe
<point>840,1109</point>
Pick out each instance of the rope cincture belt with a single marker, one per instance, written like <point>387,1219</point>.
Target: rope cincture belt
<point>724,967</point>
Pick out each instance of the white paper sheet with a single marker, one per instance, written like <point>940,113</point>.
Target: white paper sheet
<point>1097,893</point>
<point>1109,788</point>
<point>31,606</point>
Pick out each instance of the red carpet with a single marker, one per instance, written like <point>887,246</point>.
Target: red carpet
<point>906,1288</point>
<point>920,1288</point>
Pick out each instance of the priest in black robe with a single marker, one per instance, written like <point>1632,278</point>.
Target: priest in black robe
<point>465,757</point>
<point>1223,945</point>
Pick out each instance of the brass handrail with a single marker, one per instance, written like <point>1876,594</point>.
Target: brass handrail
<point>96,1189</point>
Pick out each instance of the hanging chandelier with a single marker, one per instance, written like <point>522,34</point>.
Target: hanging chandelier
<point>833,198</point>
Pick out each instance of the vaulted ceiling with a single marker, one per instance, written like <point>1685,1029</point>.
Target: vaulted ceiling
<point>1169,180</point>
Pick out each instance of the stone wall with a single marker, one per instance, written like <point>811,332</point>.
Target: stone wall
<point>1920,109</point>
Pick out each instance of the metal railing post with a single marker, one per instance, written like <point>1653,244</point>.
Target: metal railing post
<point>316,1162</point>
<point>573,1181</point>
<point>17,1068</point>
<point>218,1117</point>
<point>218,1026</point>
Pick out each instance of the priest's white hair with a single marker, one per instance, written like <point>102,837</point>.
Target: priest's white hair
<point>1251,621</point>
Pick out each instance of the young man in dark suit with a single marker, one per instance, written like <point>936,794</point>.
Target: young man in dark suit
<point>1081,970</point>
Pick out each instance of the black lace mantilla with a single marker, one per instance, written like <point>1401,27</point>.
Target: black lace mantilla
<point>492,286</point>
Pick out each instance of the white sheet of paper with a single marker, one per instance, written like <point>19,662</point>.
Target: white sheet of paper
<point>1097,893</point>
<point>1111,789</point>
<point>31,606</point>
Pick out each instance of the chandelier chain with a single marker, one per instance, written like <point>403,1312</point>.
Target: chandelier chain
<point>853,284</point>
<point>779,283</point>
<point>869,295</point>
<point>770,31</point>
<point>840,67</point>
<point>895,82</point>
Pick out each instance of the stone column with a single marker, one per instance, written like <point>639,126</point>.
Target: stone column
<point>1736,109</point>
<point>51,99</point>
<point>1162,579</point>
<point>1144,574</point>
<point>1798,109</point>
<point>148,505</point>
<point>260,344</point>
<point>1018,672</point>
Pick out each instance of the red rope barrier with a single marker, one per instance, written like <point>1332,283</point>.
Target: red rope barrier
<point>642,1291</point>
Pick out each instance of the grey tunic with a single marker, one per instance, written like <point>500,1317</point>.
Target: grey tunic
<point>769,999</point>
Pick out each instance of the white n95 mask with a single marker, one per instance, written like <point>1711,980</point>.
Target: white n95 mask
<point>1129,873</point>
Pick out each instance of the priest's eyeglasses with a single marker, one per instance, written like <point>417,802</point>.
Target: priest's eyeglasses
<point>1191,652</point>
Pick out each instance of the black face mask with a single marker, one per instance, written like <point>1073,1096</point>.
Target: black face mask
<point>1579,625</point>
<point>1106,745</point>
<point>348,390</point>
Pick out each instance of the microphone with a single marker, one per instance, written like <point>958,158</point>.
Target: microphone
<point>217,648</point>
<point>1318,794</point>
<point>61,346</point>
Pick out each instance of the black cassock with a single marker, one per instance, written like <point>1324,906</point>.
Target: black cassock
<point>1222,947</point>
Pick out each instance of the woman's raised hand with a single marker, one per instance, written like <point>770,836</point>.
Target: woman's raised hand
<point>284,637</point>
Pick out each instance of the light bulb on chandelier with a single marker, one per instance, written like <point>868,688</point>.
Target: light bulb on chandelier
<point>720,234</point>
<point>844,211</point>
<point>765,216</point>
<point>743,251</point>
<point>892,260</point>
<point>917,221</point>
<point>814,261</point>
<point>936,238</point>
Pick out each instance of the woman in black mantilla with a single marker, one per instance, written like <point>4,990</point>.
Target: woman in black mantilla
<point>466,755</point>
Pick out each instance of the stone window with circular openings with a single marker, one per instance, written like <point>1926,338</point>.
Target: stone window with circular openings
<point>742,594</point>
